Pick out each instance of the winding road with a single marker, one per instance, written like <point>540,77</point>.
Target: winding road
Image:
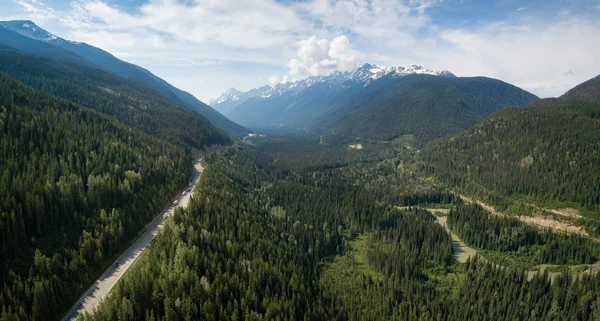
<point>100,289</point>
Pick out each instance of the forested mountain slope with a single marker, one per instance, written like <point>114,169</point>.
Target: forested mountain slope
<point>424,106</point>
<point>131,71</point>
<point>132,103</point>
<point>588,91</point>
<point>547,152</point>
<point>25,35</point>
<point>75,187</point>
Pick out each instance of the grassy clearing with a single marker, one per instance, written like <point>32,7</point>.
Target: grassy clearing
<point>351,280</point>
<point>447,281</point>
<point>354,262</point>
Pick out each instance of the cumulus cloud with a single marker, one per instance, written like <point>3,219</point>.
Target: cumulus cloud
<point>321,56</point>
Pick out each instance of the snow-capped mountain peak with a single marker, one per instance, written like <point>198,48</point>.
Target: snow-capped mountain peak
<point>29,29</point>
<point>363,75</point>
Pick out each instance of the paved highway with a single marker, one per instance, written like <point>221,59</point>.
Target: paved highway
<point>100,289</point>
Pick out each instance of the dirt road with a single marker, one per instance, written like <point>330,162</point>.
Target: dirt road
<point>461,250</point>
<point>100,289</point>
<point>541,221</point>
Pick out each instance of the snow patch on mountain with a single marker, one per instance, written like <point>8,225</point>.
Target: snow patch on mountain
<point>29,29</point>
<point>365,75</point>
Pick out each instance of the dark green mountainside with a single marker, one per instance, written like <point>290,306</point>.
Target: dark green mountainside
<point>425,106</point>
<point>75,187</point>
<point>131,71</point>
<point>547,152</point>
<point>132,103</point>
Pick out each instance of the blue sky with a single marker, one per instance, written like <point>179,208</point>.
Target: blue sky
<point>208,46</point>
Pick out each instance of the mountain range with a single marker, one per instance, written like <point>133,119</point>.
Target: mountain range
<point>41,42</point>
<point>373,102</point>
<point>364,75</point>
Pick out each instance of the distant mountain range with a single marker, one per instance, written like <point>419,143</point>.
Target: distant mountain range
<point>27,36</point>
<point>364,75</point>
<point>373,102</point>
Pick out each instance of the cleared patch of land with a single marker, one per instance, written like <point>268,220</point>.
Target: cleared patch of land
<point>355,146</point>
<point>345,276</point>
<point>564,211</point>
<point>567,211</point>
<point>552,223</point>
<point>434,211</point>
<point>555,270</point>
<point>542,221</point>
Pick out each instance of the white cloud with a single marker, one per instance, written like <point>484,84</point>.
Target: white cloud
<point>384,22</point>
<point>534,57</point>
<point>235,23</point>
<point>273,80</point>
<point>321,56</point>
<point>37,11</point>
